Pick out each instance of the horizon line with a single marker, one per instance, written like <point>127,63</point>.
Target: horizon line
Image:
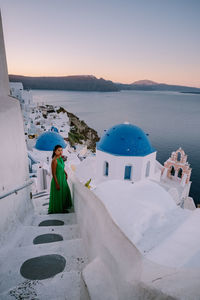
<point>116,82</point>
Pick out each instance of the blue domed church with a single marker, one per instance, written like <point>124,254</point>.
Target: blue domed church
<point>124,152</point>
<point>48,140</point>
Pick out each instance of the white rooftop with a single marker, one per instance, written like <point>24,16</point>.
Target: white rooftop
<point>149,217</point>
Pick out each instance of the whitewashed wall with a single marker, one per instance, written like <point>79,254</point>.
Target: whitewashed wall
<point>116,269</point>
<point>4,83</point>
<point>117,166</point>
<point>13,167</point>
<point>13,154</point>
<point>105,241</point>
<point>14,210</point>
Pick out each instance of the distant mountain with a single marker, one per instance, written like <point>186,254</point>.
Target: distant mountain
<point>148,85</point>
<point>144,82</point>
<point>73,83</point>
<point>91,83</point>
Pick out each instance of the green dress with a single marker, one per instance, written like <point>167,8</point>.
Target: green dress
<point>60,200</point>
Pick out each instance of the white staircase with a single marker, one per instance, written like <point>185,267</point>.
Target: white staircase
<point>67,285</point>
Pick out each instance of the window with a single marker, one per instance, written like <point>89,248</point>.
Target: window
<point>172,171</point>
<point>179,156</point>
<point>127,172</point>
<point>180,172</point>
<point>147,169</point>
<point>106,168</point>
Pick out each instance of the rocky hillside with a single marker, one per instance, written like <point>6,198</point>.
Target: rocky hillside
<point>80,132</point>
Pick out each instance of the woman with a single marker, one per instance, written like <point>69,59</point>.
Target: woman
<point>60,196</point>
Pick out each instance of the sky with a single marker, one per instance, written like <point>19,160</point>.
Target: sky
<point>120,40</point>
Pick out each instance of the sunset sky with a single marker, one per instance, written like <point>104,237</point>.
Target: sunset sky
<point>120,40</point>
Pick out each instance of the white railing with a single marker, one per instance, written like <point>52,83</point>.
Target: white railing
<point>21,187</point>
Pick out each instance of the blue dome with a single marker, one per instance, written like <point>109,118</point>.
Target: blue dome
<point>125,140</point>
<point>48,140</point>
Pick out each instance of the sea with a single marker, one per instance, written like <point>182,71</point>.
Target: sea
<point>171,119</point>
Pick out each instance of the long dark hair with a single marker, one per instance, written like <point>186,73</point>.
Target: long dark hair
<point>55,148</point>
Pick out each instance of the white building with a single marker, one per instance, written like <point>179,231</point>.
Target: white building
<point>145,211</point>
<point>125,153</point>
<point>26,102</point>
<point>24,96</point>
<point>16,89</point>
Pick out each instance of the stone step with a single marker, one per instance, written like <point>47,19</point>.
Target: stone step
<point>70,286</point>
<point>31,268</point>
<point>29,233</point>
<point>41,193</point>
<point>11,261</point>
<point>68,219</point>
<point>63,286</point>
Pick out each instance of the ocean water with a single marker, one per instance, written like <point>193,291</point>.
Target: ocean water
<point>172,119</point>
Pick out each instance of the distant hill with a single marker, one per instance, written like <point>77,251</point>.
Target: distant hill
<point>148,85</point>
<point>144,82</point>
<point>73,83</point>
<point>91,83</point>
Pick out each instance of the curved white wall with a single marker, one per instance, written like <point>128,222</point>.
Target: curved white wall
<point>116,269</point>
<point>103,239</point>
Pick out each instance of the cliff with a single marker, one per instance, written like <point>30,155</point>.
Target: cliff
<point>73,83</point>
<point>80,132</point>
